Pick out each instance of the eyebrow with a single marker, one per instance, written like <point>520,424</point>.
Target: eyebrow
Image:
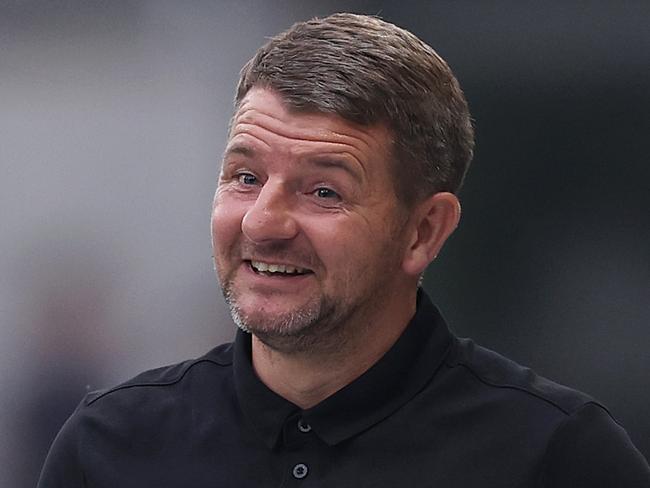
<point>336,163</point>
<point>239,149</point>
<point>318,161</point>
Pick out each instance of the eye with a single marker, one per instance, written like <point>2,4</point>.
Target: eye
<point>247,179</point>
<point>326,193</point>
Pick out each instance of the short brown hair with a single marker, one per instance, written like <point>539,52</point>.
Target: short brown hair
<point>369,71</point>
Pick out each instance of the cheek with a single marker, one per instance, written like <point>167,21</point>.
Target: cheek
<point>225,225</point>
<point>360,247</point>
<point>341,245</point>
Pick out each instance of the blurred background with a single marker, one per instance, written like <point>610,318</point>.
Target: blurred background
<point>112,122</point>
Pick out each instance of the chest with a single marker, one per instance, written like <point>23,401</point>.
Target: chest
<point>403,452</point>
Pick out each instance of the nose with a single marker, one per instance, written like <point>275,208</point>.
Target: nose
<point>270,216</point>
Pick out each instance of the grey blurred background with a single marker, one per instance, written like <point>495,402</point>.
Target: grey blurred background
<point>112,121</point>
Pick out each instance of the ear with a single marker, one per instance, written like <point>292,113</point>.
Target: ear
<point>434,220</point>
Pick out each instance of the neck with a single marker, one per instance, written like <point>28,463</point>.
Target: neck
<point>306,379</point>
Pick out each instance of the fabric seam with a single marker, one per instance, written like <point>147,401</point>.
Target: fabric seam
<point>170,382</point>
<point>519,388</point>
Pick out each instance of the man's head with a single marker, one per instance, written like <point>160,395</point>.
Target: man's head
<point>368,71</point>
<point>348,139</point>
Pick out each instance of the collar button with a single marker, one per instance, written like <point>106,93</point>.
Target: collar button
<point>303,427</point>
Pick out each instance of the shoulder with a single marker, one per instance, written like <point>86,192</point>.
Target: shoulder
<point>156,402</point>
<point>589,448</point>
<point>155,397</point>
<point>577,442</point>
<point>166,379</point>
<point>137,417</point>
<point>504,376</point>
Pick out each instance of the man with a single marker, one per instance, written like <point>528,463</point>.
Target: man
<point>349,141</point>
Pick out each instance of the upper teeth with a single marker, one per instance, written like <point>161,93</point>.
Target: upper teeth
<point>277,268</point>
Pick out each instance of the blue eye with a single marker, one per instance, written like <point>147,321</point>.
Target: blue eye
<point>247,179</point>
<point>326,193</point>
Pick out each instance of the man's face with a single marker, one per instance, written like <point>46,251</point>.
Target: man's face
<point>305,223</point>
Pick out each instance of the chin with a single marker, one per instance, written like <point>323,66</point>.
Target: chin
<point>262,321</point>
<point>299,329</point>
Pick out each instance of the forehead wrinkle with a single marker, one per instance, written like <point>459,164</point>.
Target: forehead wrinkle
<point>301,147</point>
<point>340,158</point>
<point>308,127</point>
<point>244,131</point>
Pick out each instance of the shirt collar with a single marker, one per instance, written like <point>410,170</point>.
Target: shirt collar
<point>391,382</point>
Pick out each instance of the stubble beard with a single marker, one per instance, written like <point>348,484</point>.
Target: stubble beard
<point>325,325</point>
<point>315,326</point>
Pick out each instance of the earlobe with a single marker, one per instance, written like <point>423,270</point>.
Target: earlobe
<point>435,220</point>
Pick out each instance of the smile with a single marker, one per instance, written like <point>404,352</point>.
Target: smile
<point>277,269</point>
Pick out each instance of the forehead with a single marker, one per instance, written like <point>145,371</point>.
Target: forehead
<point>263,122</point>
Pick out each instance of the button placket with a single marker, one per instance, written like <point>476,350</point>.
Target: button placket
<point>299,444</point>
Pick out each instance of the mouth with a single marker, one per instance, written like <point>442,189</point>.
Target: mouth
<point>277,269</point>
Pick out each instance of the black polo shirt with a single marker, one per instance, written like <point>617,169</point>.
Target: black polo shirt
<point>435,411</point>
